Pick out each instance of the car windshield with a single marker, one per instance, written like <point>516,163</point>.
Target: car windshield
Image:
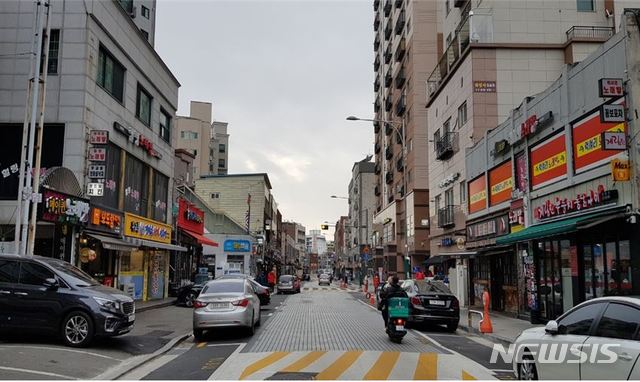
<point>73,274</point>
<point>324,276</point>
<point>285,278</point>
<point>424,286</point>
<point>226,286</point>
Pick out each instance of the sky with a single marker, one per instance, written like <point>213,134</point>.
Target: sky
<point>284,75</point>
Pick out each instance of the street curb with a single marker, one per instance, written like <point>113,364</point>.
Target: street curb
<point>135,362</point>
<point>493,336</point>
<point>156,306</point>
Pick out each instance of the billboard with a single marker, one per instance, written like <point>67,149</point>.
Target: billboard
<point>477,194</point>
<point>588,152</point>
<point>500,183</point>
<point>548,161</point>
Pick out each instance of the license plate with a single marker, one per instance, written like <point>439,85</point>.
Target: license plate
<point>436,302</point>
<point>219,305</point>
<point>399,328</point>
<point>132,317</point>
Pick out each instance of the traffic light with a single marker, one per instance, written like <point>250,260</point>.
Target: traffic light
<point>324,227</point>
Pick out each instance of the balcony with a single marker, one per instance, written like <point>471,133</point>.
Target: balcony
<point>400,190</point>
<point>451,56</point>
<point>387,31</point>
<point>376,4</point>
<point>400,23</point>
<point>388,152</point>
<point>376,63</point>
<point>376,190</point>
<point>589,34</point>
<point>376,42</point>
<point>388,104</point>
<point>377,149</point>
<point>444,146</point>
<point>388,129</point>
<point>387,8</point>
<point>398,3</point>
<point>377,169</point>
<point>400,78</point>
<point>401,49</point>
<point>399,165</point>
<point>376,127</point>
<point>376,84</point>
<point>401,105</point>
<point>388,177</point>
<point>445,217</point>
<point>376,106</point>
<point>387,80</point>
<point>390,198</point>
<point>388,55</point>
<point>376,23</point>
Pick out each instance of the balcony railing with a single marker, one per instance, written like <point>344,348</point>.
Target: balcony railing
<point>388,177</point>
<point>388,55</point>
<point>399,165</point>
<point>376,4</point>
<point>376,84</point>
<point>400,23</point>
<point>377,149</point>
<point>376,22</point>
<point>376,127</point>
<point>376,42</point>
<point>456,49</point>
<point>589,33</point>
<point>400,78</point>
<point>401,105</point>
<point>401,49</point>
<point>388,104</point>
<point>387,129</point>
<point>376,106</point>
<point>388,152</point>
<point>387,80</point>
<point>445,217</point>
<point>387,31</point>
<point>444,146</point>
<point>377,168</point>
<point>387,8</point>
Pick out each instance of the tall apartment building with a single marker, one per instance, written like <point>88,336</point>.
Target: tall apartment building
<point>296,232</point>
<point>405,47</point>
<point>362,204</point>
<point>208,140</point>
<point>143,14</point>
<point>493,54</point>
<point>340,238</point>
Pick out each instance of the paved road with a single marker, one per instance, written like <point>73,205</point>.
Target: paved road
<point>321,333</point>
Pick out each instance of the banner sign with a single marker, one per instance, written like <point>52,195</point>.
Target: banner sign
<point>484,86</point>
<point>95,189</point>
<point>500,183</point>
<point>516,216</point>
<point>559,206</point>
<point>99,137</point>
<point>493,227</point>
<point>237,246</point>
<point>588,150</point>
<point>612,113</point>
<point>548,162</point>
<point>614,140</point>
<point>190,217</point>
<point>610,87</point>
<point>477,194</point>
<point>97,154</point>
<point>621,170</point>
<point>63,208</point>
<point>106,220</point>
<point>143,228</point>
<point>97,171</point>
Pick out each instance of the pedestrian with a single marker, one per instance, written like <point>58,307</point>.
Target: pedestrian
<point>271,279</point>
<point>376,281</point>
<point>419,275</point>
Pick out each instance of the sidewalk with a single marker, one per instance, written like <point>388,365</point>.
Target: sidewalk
<point>505,328</point>
<point>141,306</point>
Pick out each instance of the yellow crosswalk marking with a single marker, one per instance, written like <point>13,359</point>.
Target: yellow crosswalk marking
<point>201,345</point>
<point>427,368</point>
<point>339,366</point>
<point>467,377</point>
<point>304,362</point>
<point>383,366</point>
<point>264,362</point>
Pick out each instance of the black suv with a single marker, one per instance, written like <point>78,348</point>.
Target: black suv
<point>49,295</point>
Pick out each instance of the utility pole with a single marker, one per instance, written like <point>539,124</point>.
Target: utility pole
<point>25,187</point>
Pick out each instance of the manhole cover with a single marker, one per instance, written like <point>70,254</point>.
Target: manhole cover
<point>284,376</point>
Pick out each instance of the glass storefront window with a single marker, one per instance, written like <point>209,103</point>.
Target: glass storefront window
<point>588,269</point>
<point>611,265</point>
<point>624,267</point>
<point>599,280</point>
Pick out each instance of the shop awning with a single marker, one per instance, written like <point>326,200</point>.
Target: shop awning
<point>558,227</point>
<point>113,243</point>
<point>201,239</point>
<point>154,244</point>
<point>439,259</point>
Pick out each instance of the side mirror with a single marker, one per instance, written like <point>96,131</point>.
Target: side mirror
<point>552,327</point>
<point>51,283</point>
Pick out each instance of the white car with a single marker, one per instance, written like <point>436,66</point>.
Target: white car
<point>598,339</point>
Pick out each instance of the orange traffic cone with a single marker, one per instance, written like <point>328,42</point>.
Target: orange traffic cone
<point>485,324</point>
<point>372,300</point>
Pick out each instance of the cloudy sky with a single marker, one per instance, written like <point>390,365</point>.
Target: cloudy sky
<point>284,74</point>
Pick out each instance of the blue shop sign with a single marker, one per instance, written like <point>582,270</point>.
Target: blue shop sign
<point>237,246</point>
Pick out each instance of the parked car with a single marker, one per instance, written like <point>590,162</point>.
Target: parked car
<point>432,302</point>
<point>187,294</point>
<point>262,291</point>
<point>289,284</point>
<point>324,279</point>
<point>41,294</point>
<point>611,322</point>
<point>306,277</point>
<point>226,303</point>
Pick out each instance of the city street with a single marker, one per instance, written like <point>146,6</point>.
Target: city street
<point>324,333</point>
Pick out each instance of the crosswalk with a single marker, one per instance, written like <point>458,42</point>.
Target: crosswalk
<point>351,365</point>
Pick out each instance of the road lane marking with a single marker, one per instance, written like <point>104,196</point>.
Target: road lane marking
<point>201,345</point>
<point>467,377</point>
<point>226,344</point>
<point>427,367</point>
<point>383,366</point>
<point>304,361</point>
<point>47,374</point>
<point>261,364</point>
<point>63,349</point>
<point>339,366</point>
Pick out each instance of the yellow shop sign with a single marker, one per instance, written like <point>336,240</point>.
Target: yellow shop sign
<point>143,228</point>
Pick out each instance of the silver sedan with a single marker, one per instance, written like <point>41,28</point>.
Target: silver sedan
<point>226,303</point>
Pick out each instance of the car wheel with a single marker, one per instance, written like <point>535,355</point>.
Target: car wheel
<point>252,327</point>
<point>527,369</point>
<point>259,322</point>
<point>77,329</point>
<point>198,334</point>
<point>452,327</point>
<point>189,299</point>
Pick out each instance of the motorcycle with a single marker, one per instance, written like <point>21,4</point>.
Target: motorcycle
<point>398,314</point>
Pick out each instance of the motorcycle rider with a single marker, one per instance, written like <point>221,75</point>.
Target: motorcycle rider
<point>390,290</point>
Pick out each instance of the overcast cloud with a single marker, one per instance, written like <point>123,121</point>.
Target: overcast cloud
<point>284,74</point>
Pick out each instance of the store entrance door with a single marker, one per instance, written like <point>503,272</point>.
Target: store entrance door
<point>497,282</point>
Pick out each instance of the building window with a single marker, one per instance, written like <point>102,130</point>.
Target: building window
<point>195,152</point>
<point>110,75</point>
<point>221,163</point>
<point>437,203</point>
<point>143,106</point>
<point>136,183</point>
<point>462,114</point>
<point>463,193</point>
<point>160,196</point>
<point>585,6</point>
<point>145,34</point>
<point>165,125</point>
<point>448,198</point>
<point>210,167</point>
<point>54,48</point>
<point>215,195</point>
<point>145,12</point>
<point>222,148</point>
<point>127,5</point>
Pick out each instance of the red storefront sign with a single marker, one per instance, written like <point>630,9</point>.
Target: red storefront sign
<point>588,150</point>
<point>582,201</point>
<point>190,217</point>
<point>500,184</point>
<point>548,162</point>
<point>477,194</point>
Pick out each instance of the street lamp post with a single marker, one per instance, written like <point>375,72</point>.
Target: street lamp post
<point>393,125</point>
